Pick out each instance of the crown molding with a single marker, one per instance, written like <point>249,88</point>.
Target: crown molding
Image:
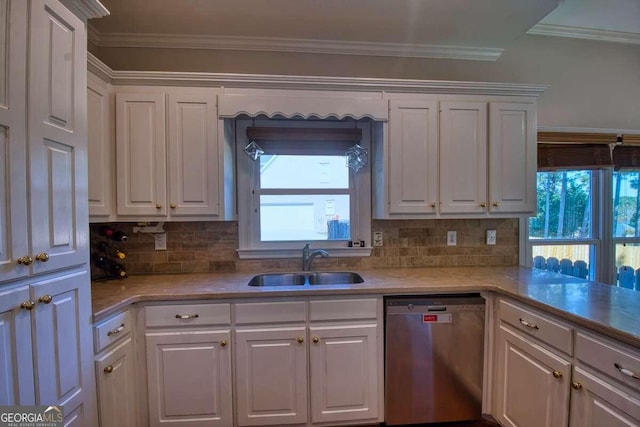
<point>86,9</point>
<point>99,68</point>
<point>275,44</point>
<point>267,81</point>
<point>585,33</point>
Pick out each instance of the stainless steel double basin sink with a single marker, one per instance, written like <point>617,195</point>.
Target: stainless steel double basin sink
<point>300,279</point>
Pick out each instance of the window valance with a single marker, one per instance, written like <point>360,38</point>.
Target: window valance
<point>230,106</point>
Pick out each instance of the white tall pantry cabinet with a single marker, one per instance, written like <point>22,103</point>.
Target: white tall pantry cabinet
<point>45,303</point>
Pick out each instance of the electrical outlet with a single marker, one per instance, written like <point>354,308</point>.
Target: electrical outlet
<point>161,241</point>
<point>452,238</point>
<point>377,238</point>
<point>491,237</point>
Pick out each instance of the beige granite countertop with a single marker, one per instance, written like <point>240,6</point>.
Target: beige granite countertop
<point>609,310</point>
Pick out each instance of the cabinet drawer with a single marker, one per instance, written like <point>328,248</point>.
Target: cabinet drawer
<point>541,326</point>
<point>270,312</point>
<point>347,309</point>
<point>187,314</point>
<point>604,355</point>
<point>111,330</point>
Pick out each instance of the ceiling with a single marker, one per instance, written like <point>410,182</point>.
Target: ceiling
<point>459,29</point>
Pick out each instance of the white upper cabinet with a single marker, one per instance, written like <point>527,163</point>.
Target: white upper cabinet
<point>463,157</point>
<point>413,157</point>
<point>57,137</point>
<point>141,172</point>
<point>42,179</point>
<point>13,144</point>
<point>193,153</point>
<point>447,157</point>
<point>167,154</point>
<point>512,161</point>
<point>100,150</point>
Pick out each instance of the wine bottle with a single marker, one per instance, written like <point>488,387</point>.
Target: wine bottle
<point>114,252</point>
<point>119,236</point>
<point>112,234</point>
<point>107,231</point>
<point>117,270</point>
<point>117,253</point>
<point>99,260</point>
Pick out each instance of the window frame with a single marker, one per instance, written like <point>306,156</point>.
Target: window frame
<point>612,277</point>
<point>595,241</point>
<point>250,245</point>
<point>602,241</point>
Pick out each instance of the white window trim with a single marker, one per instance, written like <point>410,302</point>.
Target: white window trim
<point>603,242</point>
<point>250,246</point>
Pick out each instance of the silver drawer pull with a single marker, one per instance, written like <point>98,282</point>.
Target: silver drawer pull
<point>116,331</point>
<point>528,325</point>
<point>186,316</point>
<point>626,371</point>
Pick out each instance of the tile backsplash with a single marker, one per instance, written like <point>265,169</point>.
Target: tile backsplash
<point>211,247</point>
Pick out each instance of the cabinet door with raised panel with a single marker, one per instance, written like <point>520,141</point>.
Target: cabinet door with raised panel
<point>64,356</point>
<point>532,383</point>
<point>413,157</point>
<point>596,402</point>
<point>271,376</point>
<point>16,365</point>
<point>100,150</point>
<point>193,153</point>
<point>57,137</point>
<point>13,164</point>
<point>512,161</point>
<point>141,180</point>
<point>189,378</point>
<point>344,373</point>
<point>463,157</point>
<point>115,372</point>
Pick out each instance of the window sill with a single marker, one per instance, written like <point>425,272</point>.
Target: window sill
<point>297,253</point>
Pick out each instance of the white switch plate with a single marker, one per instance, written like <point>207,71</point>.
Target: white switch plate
<point>377,238</point>
<point>491,237</point>
<point>452,238</point>
<point>161,241</point>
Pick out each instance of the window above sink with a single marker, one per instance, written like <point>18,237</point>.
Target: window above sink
<point>299,191</point>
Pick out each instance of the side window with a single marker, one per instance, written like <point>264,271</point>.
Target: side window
<point>561,234</point>
<point>626,228</point>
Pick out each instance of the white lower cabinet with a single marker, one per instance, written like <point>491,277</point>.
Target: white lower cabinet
<point>596,402</point>
<point>16,364</point>
<point>344,373</point>
<point>326,353</point>
<point>188,356</point>
<point>589,383</point>
<point>271,376</point>
<point>115,372</point>
<point>115,366</point>
<point>532,383</point>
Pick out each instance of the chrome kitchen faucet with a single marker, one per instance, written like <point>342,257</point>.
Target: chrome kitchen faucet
<point>308,256</point>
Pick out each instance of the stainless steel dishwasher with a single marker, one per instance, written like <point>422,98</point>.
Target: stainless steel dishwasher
<point>434,352</point>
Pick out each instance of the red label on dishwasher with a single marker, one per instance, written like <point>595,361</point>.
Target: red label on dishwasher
<point>436,318</point>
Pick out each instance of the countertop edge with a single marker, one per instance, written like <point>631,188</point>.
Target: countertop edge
<point>503,284</point>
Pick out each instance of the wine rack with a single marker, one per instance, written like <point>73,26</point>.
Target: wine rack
<point>107,253</point>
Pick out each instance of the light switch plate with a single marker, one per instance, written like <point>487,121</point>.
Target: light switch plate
<point>491,237</point>
<point>452,238</point>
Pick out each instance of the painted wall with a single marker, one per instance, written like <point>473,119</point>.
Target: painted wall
<point>592,84</point>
